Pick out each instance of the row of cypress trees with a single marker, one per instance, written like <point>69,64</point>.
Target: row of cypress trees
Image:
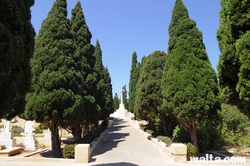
<point>180,86</point>
<point>70,87</point>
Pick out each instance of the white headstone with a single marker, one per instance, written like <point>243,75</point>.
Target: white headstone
<point>6,137</point>
<point>29,142</point>
<point>6,124</point>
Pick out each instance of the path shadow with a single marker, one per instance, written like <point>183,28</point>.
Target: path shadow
<point>116,164</point>
<point>49,154</point>
<point>111,139</point>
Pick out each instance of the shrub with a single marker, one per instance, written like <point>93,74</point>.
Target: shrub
<point>165,139</point>
<point>191,151</point>
<point>180,135</point>
<point>38,130</point>
<point>88,138</point>
<point>69,151</point>
<point>234,126</point>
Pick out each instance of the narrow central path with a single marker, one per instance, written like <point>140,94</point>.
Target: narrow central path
<point>125,145</point>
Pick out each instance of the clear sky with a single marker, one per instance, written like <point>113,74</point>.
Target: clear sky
<point>125,26</point>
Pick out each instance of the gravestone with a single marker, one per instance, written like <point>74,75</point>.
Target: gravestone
<point>29,142</point>
<point>6,137</point>
<point>48,135</point>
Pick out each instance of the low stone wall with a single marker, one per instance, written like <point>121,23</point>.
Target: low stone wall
<point>83,152</point>
<point>177,152</point>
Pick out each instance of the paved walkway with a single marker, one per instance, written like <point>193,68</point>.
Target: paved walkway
<point>123,145</point>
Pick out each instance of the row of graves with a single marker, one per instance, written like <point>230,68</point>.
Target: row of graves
<point>7,142</point>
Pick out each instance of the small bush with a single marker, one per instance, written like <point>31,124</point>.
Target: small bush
<point>86,139</point>
<point>180,135</point>
<point>165,139</point>
<point>38,130</point>
<point>191,151</point>
<point>42,146</point>
<point>69,151</point>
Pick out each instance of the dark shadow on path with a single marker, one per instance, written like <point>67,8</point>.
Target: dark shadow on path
<point>111,139</point>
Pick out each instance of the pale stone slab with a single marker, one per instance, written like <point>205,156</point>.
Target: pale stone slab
<point>178,149</point>
<point>82,153</point>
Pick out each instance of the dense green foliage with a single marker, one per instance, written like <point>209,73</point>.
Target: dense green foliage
<point>189,83</point>
<point>124,96</point>
<point>233,68</point>
<point>103,92</point>
<point>83,55</point>
<point>191,151</point>
<point>116,102</point>
<point>16,49</point>
<point>69,151</point>
<point>234,128</point>
<point>149,98</point>
<point>56,96</point>
<point>134,75</point>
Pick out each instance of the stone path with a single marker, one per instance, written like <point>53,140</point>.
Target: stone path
<point>123,145</point>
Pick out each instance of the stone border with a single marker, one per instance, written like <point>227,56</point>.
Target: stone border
<point>10,151</point>
<point>177,152</point>
<point>83,152</point>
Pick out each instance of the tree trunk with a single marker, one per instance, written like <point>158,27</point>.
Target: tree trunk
<point>164,126</point>
<point>77,132</point>
<point>86,127</point>
<point>193,138</point>
<point>55,140</point>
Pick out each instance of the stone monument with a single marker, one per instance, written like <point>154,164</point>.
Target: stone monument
<point>6,137</point>
<point>48,135</point>
<point>29,142</point>
<point>121,112</point>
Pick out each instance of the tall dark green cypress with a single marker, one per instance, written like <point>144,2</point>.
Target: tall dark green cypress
<point>150,100</point>
<point>233,67</point>
<point>16,49</point>
<point>55,97</point>
<point>109,103</point>
<point>189,84</point>
<point>83,56</point>
<point>133,81</point>
<point>99,91</point>
<point>116,102</point>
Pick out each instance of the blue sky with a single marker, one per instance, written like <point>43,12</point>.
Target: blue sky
<point>125,26</point>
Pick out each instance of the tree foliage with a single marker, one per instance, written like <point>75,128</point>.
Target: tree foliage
<point>233,68</point>
<point>55,97</point>
<point>134,75</point>
<point>189,82</point>
<point>16,49</point>
<point>116,101</point>
<point>103,92</point>
<point>84,59</point>
<point>149,93</point>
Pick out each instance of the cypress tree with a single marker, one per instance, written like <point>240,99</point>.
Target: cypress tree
<point>189,84</point>
<point>99,92</point>
<point>124,95</point>
<point>149,101</point>
<point>83,56</point>
<point>16,49</point>
<point>116,102</point>
<point>55,97</point>
<point>233,67</point>
<point>133,81</point>
<point>109,103</point>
